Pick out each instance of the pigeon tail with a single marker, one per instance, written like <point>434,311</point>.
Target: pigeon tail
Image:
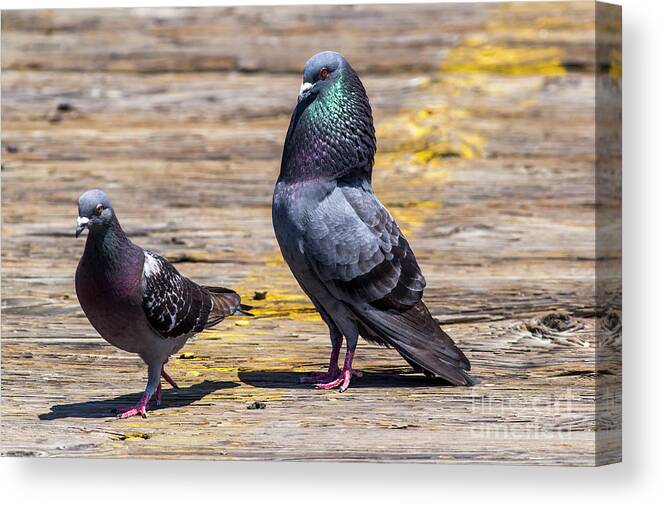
<point>226,302</point>
<point>244,310</point>
<point>419,339</point>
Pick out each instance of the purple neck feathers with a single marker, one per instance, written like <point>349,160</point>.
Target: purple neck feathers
<point>109,250</point>
<point>331,135</point>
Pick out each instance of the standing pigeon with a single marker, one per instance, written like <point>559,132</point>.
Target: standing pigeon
<point>343,247</point>
<point>137,300</point>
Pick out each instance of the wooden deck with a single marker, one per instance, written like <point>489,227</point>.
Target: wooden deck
<point>485,122</point>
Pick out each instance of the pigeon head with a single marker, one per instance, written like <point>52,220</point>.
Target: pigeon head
<point>331,132</point>
<point>321,72</point>
<point>94,210</point>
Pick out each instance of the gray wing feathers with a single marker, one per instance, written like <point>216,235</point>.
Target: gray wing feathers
<point>356,248</point>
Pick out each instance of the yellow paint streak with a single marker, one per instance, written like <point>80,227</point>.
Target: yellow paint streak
<point>283,304</point>
<point>477,56</point>
<point>132,436</point>
<point>279,302</point>
<point>615,70</point>
<point>424,139</point>
<point>412,215</point>
<point>507,47</point>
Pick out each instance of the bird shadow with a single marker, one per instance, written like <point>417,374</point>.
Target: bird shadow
<point>172,398</point>
<point>284,379</point>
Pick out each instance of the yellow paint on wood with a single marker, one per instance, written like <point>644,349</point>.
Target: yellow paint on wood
<point>615,70</point>
<point>477,56</point>
<point>131,436</point>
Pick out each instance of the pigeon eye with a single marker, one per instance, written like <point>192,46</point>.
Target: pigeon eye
<point>99,208</point>
<point>323,73</point>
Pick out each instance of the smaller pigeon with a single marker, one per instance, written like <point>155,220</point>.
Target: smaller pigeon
<point>137,300</point>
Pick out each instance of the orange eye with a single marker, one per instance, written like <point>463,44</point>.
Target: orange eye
<point>323,73</point>
<point>99,208</point>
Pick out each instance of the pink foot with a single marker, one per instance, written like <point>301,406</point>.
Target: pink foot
<point>341,381</point>
<point>321,377</point>
<point>138,409</point>
<point>327,377</point>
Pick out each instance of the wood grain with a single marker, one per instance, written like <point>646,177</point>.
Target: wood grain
<point>486,127</point>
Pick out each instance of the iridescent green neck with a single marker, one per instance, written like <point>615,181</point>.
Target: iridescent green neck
<point>335,103</point>
<point>333,135</point>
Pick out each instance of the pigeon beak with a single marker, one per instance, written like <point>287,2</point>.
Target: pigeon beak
<point>81,224</point>
<point>305,90</point>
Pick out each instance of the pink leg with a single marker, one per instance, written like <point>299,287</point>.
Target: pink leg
<point>168,378</point>
<point>153,387</point>
<point>316,377</point>
<point>344,377</point>
<point>333,369</point>
<point>159,389</point>
<point>159,395</point>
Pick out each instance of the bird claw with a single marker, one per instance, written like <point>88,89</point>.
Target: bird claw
<point>329,385</point>
<point>341,381</point>
<point>328,377</point>
<point>320,377</point>
<point>140,409</point>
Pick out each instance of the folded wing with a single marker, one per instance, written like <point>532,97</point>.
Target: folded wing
<point>355,247</point>
<point>174,305</point>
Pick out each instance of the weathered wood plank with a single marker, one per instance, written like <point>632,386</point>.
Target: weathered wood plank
<point>233,38</point>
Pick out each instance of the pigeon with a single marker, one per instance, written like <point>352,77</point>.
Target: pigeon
<point>342,245</point>
<point>137,300</point>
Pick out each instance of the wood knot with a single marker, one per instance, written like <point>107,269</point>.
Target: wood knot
<point>553,329</point>
<point>552,324</point>
<point>611,321</point>
<point>609,331</point>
